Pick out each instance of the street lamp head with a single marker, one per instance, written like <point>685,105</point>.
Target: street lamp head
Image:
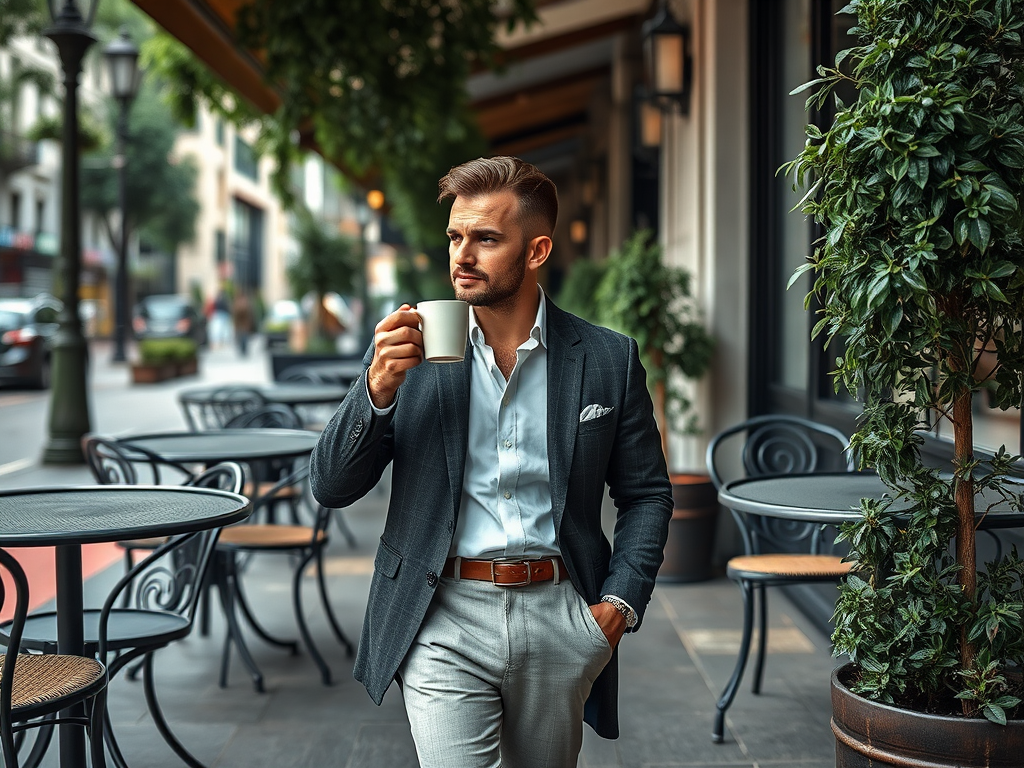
<point>123,62</point>
<point>68,13</point>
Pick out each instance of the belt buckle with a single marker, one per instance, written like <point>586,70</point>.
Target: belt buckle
<point>513,561</point>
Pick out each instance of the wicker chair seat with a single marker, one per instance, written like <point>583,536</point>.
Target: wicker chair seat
<point>783,566</point>
<point>43,681</point>
<point>267,536</point>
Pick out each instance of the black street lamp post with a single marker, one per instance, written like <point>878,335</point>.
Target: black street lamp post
<point>367,210</point>
<point>122,59</point>
<point>69,403</point>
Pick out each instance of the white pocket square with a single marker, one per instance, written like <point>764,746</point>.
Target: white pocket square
<point>594,411</point>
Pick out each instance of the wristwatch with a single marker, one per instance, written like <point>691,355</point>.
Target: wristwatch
<point>622,607</point>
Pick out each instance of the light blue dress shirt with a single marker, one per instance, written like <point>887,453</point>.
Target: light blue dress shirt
<point>506,489</point>
<point>506,486</point>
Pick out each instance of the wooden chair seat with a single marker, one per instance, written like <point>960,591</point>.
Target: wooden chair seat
<point>150,543</point>
<point>268,536</point>
<point>42,680</point>
<point>798,566</point>
<point>261,489</point>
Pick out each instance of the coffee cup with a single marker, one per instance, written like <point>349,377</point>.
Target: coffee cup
<point>445,327</point>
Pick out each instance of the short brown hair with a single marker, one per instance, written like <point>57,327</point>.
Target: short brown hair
<point>536,193</point>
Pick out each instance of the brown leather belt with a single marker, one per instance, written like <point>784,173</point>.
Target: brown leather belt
<point>505,572</point>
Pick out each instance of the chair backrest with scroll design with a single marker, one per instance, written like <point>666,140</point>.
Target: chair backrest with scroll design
<point>114,464</point>
<point>777,445</point>
<point>270,415</point>
<point>222,404</point>
<point>170,579</point>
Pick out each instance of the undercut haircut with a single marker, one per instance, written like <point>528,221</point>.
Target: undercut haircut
<point>535,192</point>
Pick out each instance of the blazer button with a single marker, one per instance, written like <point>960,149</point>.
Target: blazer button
<point>431,579</point>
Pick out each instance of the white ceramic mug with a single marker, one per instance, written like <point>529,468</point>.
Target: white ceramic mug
<point>445,326</point>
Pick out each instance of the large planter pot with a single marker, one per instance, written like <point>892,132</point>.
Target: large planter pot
<point>691,531</point>
<point>872,735</point>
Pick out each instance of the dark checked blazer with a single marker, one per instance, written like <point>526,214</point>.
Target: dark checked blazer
<point>426,436</point>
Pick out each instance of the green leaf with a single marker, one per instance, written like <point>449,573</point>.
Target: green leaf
<point>994,713</point>
<point>980,233</point>
<point>919,167</point>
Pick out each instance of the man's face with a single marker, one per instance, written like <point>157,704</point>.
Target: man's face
<point>487,249</point>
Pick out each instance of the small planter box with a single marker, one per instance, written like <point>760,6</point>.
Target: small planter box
<point>188,367</point>
<point>151,374</point>
<point>144,373</point>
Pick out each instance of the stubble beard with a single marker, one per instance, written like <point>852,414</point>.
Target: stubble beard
<point>497,293</point>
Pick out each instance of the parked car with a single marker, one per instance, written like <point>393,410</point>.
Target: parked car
<point>168,316</point>
<point>277,324</point>
<point>27,328</point>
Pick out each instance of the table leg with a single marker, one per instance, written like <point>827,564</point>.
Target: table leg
<point>71,641</point>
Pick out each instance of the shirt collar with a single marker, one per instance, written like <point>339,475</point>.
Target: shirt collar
<point>539,332</point>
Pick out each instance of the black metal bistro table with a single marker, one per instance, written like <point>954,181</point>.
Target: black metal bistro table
<point>243,445</point>
<point>831,498</point>
<point>68,517</point>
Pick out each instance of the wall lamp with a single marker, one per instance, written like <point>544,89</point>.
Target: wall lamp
<point>668,60</point>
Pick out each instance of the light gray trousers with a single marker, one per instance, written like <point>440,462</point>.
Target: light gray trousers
<point>497,676</point>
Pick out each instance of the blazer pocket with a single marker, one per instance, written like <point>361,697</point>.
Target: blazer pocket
<point>595,426</point>
<point>387,560</point>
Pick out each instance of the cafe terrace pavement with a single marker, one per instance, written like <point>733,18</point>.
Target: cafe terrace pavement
<point>671,672</point>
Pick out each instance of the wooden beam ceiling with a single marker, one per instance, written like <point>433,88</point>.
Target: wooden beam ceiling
<point>546,103</point>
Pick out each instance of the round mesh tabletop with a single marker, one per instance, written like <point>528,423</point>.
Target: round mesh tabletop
<point>226,444</point>
<point>284,393</point>
<point>89,514</point>
<point>834,497</point>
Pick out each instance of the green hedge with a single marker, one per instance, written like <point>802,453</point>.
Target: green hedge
<point>166,351</point>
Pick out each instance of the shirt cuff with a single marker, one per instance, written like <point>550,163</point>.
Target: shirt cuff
<point>376,410</point>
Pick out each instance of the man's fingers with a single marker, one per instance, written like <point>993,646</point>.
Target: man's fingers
<point>402,317</point>
<point>391,354</point>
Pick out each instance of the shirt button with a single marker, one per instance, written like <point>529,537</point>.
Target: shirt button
<point>508,443</point>
<point>505,401</point>
<point>431,579</point>
<point>508,494</point>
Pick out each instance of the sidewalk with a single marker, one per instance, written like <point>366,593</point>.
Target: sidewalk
<point>672,671</point>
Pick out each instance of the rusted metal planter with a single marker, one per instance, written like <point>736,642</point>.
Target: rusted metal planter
<point>873,735</point>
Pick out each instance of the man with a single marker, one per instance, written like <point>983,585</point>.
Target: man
<point>496,600</point>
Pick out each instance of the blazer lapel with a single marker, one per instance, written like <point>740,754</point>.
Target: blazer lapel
<point>565,379</point>
<point>452,381</point>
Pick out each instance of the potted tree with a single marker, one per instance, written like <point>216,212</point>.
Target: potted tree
<point>326,261</point>
<point>651,301</point>
<point>918,187</point>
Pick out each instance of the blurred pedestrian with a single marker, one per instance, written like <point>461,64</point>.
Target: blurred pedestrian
<point>243,320</point>
<point>220,320</point>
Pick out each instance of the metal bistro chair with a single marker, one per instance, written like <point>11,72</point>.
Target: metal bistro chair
<point>303,374</point>
<point>266,474</point>
<point>771,445</point>
<point>222,405</point>
<point>34,686</point>
<point>249,538</point>
<point>164,591</point>
<point>110,465</point>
